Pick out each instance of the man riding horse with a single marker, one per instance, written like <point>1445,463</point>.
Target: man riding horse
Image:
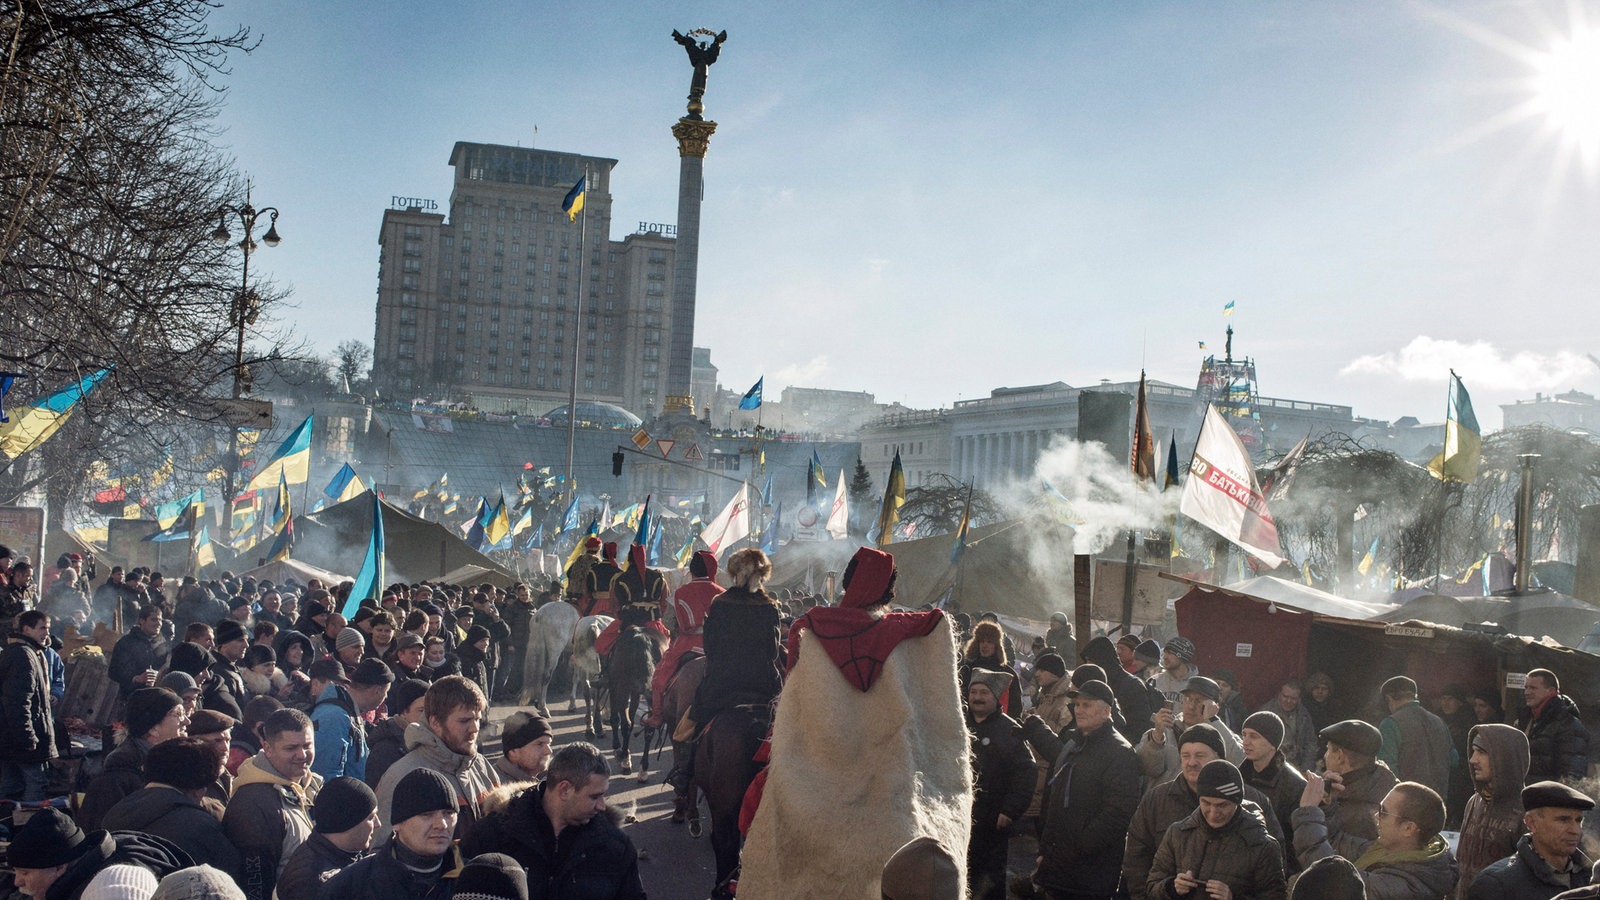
<point>690,604</point>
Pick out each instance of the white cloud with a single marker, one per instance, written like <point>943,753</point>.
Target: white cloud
<point>1479,363</point>
<point>804,374</point>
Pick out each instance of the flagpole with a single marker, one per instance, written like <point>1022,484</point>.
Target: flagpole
<point>305,492</point>
<point>577,329</point>
<point>1444,487</point>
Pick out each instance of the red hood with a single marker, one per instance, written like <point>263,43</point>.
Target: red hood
<point>636,559</point>
<point>709,560</point>
<point>869,580</point>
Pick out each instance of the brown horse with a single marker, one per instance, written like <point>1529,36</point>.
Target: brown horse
<point>724,766</point>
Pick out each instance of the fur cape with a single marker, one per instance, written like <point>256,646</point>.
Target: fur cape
<point>884,766</point>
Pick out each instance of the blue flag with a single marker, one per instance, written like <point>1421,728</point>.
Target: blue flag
<point>653,553</point>
<point>641,536</point>
<point>476,534</point>
<point>769,540</point>
<point>6,380</point>
<point>369,581</point>
<point>569,519</point>
<point>752,397</point>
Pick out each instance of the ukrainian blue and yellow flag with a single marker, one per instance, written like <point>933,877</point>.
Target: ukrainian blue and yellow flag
<point>1458,461</point>
<point>962,530</point>
<point>1366,561</point>
<point>282,524</point>
<point>345,485</point>
<point>204,553</point>
<point>572,204</point>
<point>292,462</point>
<point>36,422</point>
<point>816,468</point>
<point>182,527</point>
<point>498,528</point>
<point>168,513</point>
<point>577,548</point>
<point>369,581</point>
<point>641,534</point>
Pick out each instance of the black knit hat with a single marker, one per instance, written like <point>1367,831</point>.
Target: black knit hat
<point>521,729</point>
<point>421,791</point>
<point>228,631</point>
<point>491,876</point>
<point>1221,780</point>
<point>189,658</point>
<point>1148,652</point>
<point>147,707</point>
<point>475,634</point>
<point>47,840</point>
<point>342,804</point>
<point>1203,733</point>
<point>404,693</point>
<point>1052,663</point>
<point>372,672</point>
<point>258,654</point>
<point>1330,878</point>
<point>1267,724</point>
<point>1086,673</point>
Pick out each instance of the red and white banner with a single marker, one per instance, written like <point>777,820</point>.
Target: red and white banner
<point>1221,492</point>
<point>731,525</point>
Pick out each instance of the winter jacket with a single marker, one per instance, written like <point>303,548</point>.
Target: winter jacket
<point>28,733</point>
<point>1241,854</point>
<point>268,817</point>
<point>311,865</point>
<point>1526,876</point>
<point>382,876</point>
<point>198,606</point>
<point>1165,805</point>
<point>1281,785</point>
<point>600,862</point>
<point>1417,747</point>
<point>1558,744</point>
<point>1160,763</point>
<point>224,692</point>
<point>1426,874</point>
<point>1054,706</point>
<point>471,775</point>
<point>1300,740</point>
<point>167,812</point>
<point>133,654</point>
<point>340,734</point>
<point>386,743</point>
<point>1133,699</point>
<point>1089,802</point>
<point>113,848</point>
<point>121,775</point>
<point>1003,771</point>
<point>1354,811</point>
<point>744,653</point>
<point>1493,819</point>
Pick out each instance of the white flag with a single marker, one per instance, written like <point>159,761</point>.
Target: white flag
<point>839,516</point>
<point>1221,492</point>
<point>731,525</point>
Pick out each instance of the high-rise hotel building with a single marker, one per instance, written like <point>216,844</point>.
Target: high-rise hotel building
<point>484,303</point>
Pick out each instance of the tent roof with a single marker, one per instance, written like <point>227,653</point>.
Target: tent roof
<point>282,570</point>
<point>414,549</point>
<point>1305,597</point>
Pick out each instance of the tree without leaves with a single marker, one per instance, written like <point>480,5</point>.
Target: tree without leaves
<point>350,362</point>
<point>938,504</point>
<point>109,191</point>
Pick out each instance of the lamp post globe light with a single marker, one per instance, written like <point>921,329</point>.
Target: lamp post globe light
<point>243,312</point>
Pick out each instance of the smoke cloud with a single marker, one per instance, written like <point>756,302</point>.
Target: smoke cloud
<point>1102,500</point>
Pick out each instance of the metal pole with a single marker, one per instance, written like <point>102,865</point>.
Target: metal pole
<point>1524,522</point>
<point>577,329</point>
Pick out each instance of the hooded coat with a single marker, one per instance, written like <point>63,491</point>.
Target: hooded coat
<point>113,848</point>
<point>1388,875</point>
<point>471,775</point>
<point>340,734</point>
<point>1240,854</point>
<point>1132,697</point>
<point>268,817</point>
<point>1493,818</point>
<point>169,813</point>
<point>690,604</point>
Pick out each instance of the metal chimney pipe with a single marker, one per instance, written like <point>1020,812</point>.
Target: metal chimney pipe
<point>1524,523</point>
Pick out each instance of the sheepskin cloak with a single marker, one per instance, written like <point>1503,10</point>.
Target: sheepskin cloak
<point>856,775</point>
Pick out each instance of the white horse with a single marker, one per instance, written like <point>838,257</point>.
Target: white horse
<point>585,664</point>
<point>549,635</point>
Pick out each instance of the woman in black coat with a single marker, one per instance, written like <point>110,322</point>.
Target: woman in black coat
<point>743,641</point>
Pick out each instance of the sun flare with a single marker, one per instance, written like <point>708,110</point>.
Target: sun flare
<point>1566,90</point>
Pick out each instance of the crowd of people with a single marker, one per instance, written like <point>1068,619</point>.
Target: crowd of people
<point>271,747</point>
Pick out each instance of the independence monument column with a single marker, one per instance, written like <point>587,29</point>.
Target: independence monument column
<point>693,132</point>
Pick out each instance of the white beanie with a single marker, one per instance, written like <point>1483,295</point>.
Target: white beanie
<point>198,883</point>
<point>121,882</point>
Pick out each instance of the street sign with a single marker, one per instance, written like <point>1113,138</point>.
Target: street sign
<point>693,454</point>
<point>245,413</point>
<point>665,446</point>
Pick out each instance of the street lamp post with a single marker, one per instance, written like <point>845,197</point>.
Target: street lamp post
<point>244,311</point>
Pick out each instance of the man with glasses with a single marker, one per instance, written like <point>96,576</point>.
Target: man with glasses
<point>1408,860</point>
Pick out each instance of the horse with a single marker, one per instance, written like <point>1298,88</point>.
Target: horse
<point>628,672</point>
<point>549,634</point>
<point>724,766</point>
<point>585,663</point>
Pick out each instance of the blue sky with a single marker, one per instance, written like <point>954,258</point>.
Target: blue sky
<point>927,201</point>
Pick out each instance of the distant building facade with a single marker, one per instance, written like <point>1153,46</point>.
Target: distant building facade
<point>1574,412</point>
<point>482,303</point>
